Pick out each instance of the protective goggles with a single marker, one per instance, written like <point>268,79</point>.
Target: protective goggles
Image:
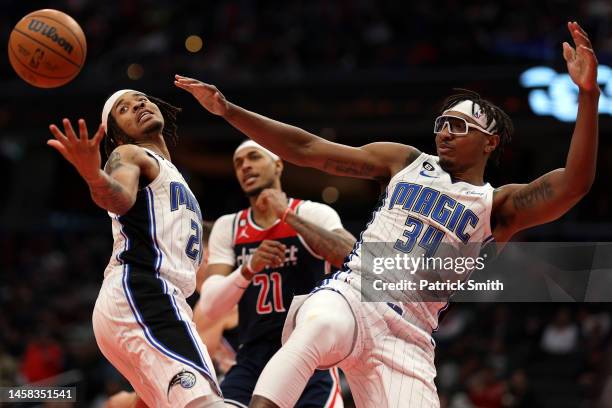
<point>456,125</point>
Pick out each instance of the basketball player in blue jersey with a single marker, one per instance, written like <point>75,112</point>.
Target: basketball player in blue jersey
<point>142,322</point>
<point>259,258</point>
<point>386,349</point>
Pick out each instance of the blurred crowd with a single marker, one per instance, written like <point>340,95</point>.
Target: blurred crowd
<point>253,40</point>
<point>524,355</point>
<point>54,244</point>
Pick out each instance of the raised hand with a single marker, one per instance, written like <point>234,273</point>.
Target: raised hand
<point>208,95</point>
<point>581,61</point>
<point>82,152</point>
<point>275,200</point>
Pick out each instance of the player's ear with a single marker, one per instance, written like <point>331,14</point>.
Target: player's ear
<point>278,167</point>
<point>491,143</point>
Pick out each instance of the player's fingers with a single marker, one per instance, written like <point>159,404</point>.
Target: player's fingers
<point>58,134</point>
<point>59,147</point>
<point>83,134</point>
<point>579,28</point>
<point>586,52</point>
<point>581,39</point>
<point>98,136</point>
<point>275,255</point>
<point>263,259</point>
<point>187,80</point>
<point>182,85</point>
<point>271,250</point>
<point>568,52</point>
<point>273,244</point>
<point>69,131</point>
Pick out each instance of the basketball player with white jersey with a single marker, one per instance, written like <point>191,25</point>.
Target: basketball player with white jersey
<point>386,349</point>
<point>259,259</point>
<point>142,322</point>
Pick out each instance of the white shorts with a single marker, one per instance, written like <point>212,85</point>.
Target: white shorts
<point>144,327</point>
<point>392,361</point>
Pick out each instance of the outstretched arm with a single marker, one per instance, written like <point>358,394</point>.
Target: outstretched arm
<point>378,161</point>
<point>113,189</point>
<point>552,195</point>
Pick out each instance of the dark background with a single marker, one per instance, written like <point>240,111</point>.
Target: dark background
<point>352,71</point>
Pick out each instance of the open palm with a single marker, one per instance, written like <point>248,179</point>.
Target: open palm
<point>581,61</point>
<point>82,152</point>
<point>208,95</point>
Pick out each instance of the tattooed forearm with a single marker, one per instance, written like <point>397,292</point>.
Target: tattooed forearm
<point>346,167</point>
<point>332,246</point>
<point>532,196</point>
<point>110,195</point>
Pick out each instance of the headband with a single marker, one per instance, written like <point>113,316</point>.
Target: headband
<point>110,102</point>
<point>250,143</point>
<point>473,110</point>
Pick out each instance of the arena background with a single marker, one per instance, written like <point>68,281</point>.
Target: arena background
<point>351,71</point>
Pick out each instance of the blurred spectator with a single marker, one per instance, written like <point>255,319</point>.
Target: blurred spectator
<point>561,335</point>
<point>518,393</point>
<point>43,357</point>
<point>8,368</point>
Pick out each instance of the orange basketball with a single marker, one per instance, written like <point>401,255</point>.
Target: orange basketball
<point>47,48</point>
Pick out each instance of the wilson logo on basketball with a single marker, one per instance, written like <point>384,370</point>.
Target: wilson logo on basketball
<point>38,26</point>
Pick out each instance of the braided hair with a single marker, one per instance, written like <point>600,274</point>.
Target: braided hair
<point>503,124</point>
<point>114,134</point>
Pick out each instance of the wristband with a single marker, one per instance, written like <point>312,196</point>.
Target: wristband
<point>246,269</point>
<point>241,281</point>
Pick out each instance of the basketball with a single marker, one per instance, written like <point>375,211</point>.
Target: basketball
<point>47,48</point>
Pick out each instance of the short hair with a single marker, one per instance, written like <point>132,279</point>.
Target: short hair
<point>114,134</point>
<point>503,124</point>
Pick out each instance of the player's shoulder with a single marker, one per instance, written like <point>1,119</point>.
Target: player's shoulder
<point>222,229</point>
<point>128,153</point>
<point>391,149</point>
<point>226,219</point>
<point>396,155</point>
<point>318,213</point>
<point>311,205</point>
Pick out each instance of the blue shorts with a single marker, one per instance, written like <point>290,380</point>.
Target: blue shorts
<point>240,380</point>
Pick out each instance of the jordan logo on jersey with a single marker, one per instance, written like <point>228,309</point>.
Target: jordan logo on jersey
<point>243,233</point>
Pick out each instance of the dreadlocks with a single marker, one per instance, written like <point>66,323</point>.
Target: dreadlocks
<point>114,134</point>
<point>503,124</point>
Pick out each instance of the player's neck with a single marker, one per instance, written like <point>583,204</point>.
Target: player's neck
<point>263,218</point>
<point>473,175</point>
<point>156,146</point>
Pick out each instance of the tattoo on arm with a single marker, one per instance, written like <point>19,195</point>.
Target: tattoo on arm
<point>108,193</point>
<point>113,163</point>
<point>330,245</point>
<point>531,196</point>
<point>348,167</point>
<point>412,156</point>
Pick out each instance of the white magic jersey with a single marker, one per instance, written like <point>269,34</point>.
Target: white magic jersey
<point>423,215</point>
<point>162,233</point>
